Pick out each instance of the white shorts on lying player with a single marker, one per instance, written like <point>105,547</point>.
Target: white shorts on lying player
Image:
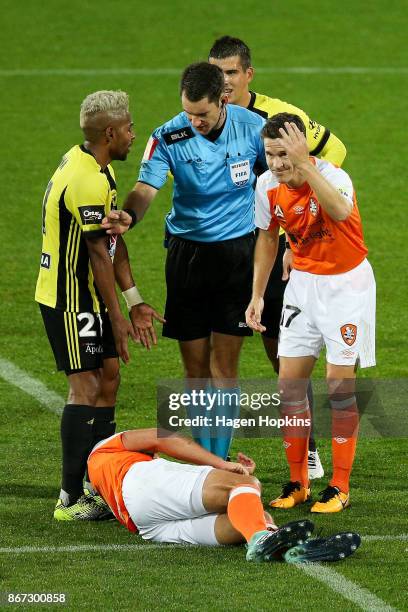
<point>160,494</point>
<point>336,311</point>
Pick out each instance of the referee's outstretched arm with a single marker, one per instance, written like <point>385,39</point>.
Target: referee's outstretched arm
<point>134,208</point>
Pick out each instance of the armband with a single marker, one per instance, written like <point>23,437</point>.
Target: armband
<point>132,214</point>
<point>287,245</point>
<point>132,297</point>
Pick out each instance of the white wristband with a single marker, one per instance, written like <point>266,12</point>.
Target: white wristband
<point>132,297</point>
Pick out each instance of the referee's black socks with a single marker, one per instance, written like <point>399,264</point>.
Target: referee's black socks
<point>76,436</point>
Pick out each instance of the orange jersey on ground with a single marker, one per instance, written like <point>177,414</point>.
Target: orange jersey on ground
<point>320,245</point>
<point>108,464</point>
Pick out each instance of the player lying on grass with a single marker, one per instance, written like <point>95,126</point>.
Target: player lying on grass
<point>206,501</point>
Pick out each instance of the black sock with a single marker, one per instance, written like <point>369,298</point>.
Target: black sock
<point>104,425</point>
<point>76,437</point>
<point>312,441</point>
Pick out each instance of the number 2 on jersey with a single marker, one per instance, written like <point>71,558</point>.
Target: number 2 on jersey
<point>87,331</point>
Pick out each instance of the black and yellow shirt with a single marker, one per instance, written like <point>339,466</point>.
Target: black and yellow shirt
<point>76,200</point>
<point>322,143</point>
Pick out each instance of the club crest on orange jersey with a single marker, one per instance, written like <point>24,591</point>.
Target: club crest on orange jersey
<point>349,333</point>
<point>313,206</point>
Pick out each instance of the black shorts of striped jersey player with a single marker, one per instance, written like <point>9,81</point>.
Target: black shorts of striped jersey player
<point>80,341</point>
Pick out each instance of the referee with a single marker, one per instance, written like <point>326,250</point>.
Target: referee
<point>211,150</point>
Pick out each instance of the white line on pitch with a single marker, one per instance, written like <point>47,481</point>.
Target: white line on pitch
<point>22,550</point>
<point>398,70</point>
<point>360,596</point>
<point>119,547</point>
<point>20,379</point>
<point>385,538</point>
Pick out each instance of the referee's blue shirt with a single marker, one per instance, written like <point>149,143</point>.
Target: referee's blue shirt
<point>213,191</point>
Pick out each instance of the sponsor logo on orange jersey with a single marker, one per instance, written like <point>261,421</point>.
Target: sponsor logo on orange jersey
<point>349,333</point>
<point>313,206</point>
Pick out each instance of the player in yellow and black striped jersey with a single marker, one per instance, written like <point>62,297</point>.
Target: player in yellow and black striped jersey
<point>233,56</point>
<point>77,296</point>
<point>321,142</point>
<point>77,198</point>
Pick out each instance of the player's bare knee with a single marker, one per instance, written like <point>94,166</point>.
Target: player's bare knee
<point>291,392</point>
<point>223,371</point>
<point>218,486</point>
<point>110,384</point>
<point>196,366</point>
<point>238,480</point>
<point>340,387</point>
<point>197,370</point>
<point>256,483</point>
<point>252,481</point>
<point>84,387</point>
<point>117,381</point>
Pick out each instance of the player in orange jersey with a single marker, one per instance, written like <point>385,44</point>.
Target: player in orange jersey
<point>329,301</point>
<point>233,56</point>
<point>206,501</point>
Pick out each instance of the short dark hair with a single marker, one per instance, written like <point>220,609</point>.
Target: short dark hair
<point>202,80</point>
<point>227,46</point>
<point>271,127</point>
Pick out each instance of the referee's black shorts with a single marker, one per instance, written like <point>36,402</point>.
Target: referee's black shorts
<point>209,287</point>
<point>273,298</point>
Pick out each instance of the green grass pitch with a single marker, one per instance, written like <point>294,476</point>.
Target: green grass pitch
<point>54,54</point>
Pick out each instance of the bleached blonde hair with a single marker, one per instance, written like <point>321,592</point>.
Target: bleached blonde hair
<point>114,103</point>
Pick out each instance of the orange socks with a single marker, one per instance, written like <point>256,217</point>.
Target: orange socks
<point>296,454</point>
<point>245,510</point>
<point>344,441</point>
<point>296,439</point>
